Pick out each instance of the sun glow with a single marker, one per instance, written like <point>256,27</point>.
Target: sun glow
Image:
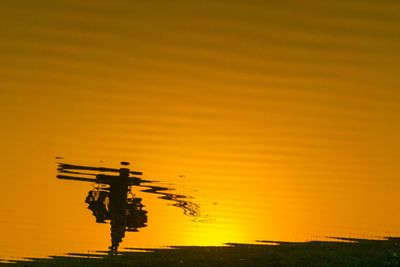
<point>211,235</point>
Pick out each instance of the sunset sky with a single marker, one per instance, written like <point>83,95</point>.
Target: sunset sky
<point>282,116</point>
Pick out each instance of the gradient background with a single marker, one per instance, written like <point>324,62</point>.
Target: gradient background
<point>283,116</point>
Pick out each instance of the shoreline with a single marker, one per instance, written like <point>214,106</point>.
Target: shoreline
<point>343,252</point>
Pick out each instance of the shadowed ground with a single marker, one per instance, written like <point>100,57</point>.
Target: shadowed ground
<point>351,252</point>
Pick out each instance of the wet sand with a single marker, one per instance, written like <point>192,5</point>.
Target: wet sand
<point>343,252</point>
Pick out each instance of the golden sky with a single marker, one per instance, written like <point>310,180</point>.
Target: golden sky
<point>283,115</point>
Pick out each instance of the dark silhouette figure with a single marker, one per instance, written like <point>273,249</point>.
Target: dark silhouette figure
<point>118,207</point>
<point>124,214</point>
<point>112,200</point>
<point>118,210</point>
<point>96,200</point>
<point>137,216</point>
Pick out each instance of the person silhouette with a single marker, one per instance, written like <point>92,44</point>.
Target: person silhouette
<point>118,206</point>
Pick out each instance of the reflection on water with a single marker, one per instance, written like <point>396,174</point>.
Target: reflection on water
<point>284,116</point>
<point>113,199</point>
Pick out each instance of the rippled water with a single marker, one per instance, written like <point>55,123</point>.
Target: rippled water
<point>279,120</point>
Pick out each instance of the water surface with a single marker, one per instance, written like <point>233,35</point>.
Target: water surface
<point>281,120</point>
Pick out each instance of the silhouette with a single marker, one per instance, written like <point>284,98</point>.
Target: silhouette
<point>137,216</point>
<point>113,201</point>
<point>97,204</point>
<point>123,214</point>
